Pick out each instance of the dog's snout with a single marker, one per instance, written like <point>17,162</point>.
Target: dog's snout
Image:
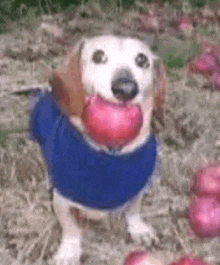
<point>124,88</point>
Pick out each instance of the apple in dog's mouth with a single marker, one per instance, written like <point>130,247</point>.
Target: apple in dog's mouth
<point>111,124</point>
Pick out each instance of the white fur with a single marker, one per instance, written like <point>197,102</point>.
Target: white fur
<point>69,251</point>
<point>138,229</point>
<point>121,53</point>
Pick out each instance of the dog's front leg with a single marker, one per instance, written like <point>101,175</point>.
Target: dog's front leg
<point>70,249</point>
<point>138,229</point>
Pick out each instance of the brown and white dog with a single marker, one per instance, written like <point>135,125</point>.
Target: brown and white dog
<point>110,71</point>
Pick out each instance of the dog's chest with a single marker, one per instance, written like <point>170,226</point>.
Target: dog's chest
<point>82,174</point>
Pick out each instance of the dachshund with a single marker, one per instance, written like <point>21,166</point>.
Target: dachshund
<point>95,134</point>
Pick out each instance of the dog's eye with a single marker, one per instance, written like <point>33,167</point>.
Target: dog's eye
<point>142,61</point>
<point>99,57</point>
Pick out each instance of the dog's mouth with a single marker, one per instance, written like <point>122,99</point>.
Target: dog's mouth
<point>111,124</point>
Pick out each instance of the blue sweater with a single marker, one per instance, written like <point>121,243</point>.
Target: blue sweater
<point>80,173</point>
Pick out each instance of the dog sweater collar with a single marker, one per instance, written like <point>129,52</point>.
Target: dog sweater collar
<point>80,173</point>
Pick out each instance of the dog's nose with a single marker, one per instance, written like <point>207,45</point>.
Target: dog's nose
<point>124,88</point>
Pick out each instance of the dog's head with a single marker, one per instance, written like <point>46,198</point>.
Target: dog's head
<point>114,85</point>
<point>118,69</point>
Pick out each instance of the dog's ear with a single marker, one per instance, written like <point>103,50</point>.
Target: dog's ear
<point>66,83</point>
<point>159,93</point>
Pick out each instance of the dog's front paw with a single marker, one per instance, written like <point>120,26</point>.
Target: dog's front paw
<point>69,252</point>
<point>141,232</point>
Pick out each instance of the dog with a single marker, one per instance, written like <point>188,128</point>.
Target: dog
<point>94,130</point>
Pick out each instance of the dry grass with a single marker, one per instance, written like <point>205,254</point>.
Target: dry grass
<point>29,232</point>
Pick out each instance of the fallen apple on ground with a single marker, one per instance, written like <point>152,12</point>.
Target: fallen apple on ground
<point>141,257</point>
<point>189,261</point>
<point>204,209</point>
<point>216,78</point>
<point>204,215</point>
<point>184,25</point>
<point>206,181</point>
<point>207,63</point>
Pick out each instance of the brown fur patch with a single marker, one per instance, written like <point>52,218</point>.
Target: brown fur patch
<point>67,87</point>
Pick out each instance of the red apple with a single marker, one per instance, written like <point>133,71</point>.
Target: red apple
<point>150,21</point>
<point>189,261</point>
<point>141,257</point>
<point>204,216</point>
<point>184,25</point>
<point>206,63</point>
<point>111,124</point>
<point>206,181</point>
<point>216,78</point>
<point>135,257</point>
